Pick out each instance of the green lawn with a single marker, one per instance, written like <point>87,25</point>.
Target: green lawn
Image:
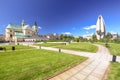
<point>88,47</point>
<point>114,73</point>
<point>17,47</point>
<point>50,44</point>
<point>34,64</point>
<point>113,47</point>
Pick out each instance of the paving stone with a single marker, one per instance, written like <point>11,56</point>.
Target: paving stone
<point>92,78</point>
<point>80,76</point>
<point>91,69</point>
<point>72,78</point>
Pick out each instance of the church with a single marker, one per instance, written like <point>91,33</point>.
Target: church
<point>100,28</point>
<point>21,32</point>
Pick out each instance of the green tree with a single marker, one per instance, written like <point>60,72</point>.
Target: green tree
<point>108,37</point>
<point>94,38</point>
<point>66,37</point>
<point>61,37</point>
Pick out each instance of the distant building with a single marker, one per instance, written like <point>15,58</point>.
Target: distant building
<point>21,32</point>
<point>2,37</point>
<point>100,28</point>
<point>54,36</point>
<point>88,36</point>
<point>114,35</point>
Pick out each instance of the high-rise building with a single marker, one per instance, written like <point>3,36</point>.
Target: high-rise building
<point>100,28</point>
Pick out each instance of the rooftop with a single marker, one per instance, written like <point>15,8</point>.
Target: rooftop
<point>14,26</point>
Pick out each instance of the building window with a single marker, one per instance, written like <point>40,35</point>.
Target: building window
<point>10,35</point>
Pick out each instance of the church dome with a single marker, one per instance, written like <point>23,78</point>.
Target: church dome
<point>27,27</point>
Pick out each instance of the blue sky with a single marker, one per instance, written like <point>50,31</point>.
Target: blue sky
<point>60,16</point>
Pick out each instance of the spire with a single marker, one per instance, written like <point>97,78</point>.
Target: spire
<point>23,23</point>
<point>35,23</point>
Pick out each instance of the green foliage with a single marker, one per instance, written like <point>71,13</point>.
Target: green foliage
<point>77,39</point>
<point>114,73</point>
<point>108,37</point>
<point>34,64</point>
<point>94,38</point>
<point>116,40</point>
<point>37,41</point>
<point>66,37</point>
<point>54,41</point>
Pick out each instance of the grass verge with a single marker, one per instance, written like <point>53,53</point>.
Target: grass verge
<point>113,47</point>
<point>17,47</point>
<point>114,73</point>
<point>34,64</point>
<point>50,44</point>
<point>87,47</point>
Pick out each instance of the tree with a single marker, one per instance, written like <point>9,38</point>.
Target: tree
<point>94,38</point>
<point>108,37</point>
<point>61,37</point>
<point>66,37</point>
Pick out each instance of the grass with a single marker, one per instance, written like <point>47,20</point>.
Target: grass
<point>50,44</point>
<point>34,64</point>
<point>114,48</point>
<point>17,47</point>
<point>114,73</point>
<point>88,47</point>
<point>80,47</point>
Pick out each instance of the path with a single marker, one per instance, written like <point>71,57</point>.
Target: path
<point>92,69</point>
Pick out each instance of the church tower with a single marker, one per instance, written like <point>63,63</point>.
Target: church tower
<point>35,28</point>
<point>23,24</point>
<point>100,28</point>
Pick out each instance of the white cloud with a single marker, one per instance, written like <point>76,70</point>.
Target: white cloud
<point>112,32</point>
<point>39,27</point>
<point>67,33</point>
<point>90,27</point>
<point>87,32</point>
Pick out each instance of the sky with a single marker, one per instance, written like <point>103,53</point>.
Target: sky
<point>77,17</point>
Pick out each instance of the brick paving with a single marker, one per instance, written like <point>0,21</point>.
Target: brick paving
<point>94,68</point>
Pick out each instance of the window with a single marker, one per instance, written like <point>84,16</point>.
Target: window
<point>10,35</point>
<point>10,30</point>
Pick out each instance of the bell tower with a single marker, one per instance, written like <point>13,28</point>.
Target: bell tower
<point>35,28</point>
<point>23,24</point>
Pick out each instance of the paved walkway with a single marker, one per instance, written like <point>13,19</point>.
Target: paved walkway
<point>92,69</point>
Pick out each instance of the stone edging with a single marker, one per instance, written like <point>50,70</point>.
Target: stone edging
<point>70,67</point>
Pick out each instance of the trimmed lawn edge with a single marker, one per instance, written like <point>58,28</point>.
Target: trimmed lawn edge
<point>60,72</point>
<point>106,73</point>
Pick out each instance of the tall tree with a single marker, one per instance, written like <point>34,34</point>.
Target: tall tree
<point>94,37</point>
<point>108,37</point>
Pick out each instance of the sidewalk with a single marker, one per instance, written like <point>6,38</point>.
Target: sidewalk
<point>92,69</point>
